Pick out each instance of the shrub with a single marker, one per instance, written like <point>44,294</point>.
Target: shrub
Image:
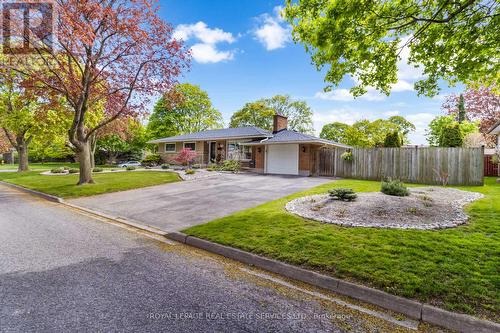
<point>347,156</point>
<point>343,194</point>
<point>130,168</point>
<point>186,156</point>
<point>97,170</point>
<point>393,139</point>
<point>165,166</point>
<point>451,136</point>
<point>57,170</point>
<point>230,165</point>
<point>190,172</point>
<point>151,160</point>
<point>394,187</point>
<point>65,168</point>
<point>73,171</point>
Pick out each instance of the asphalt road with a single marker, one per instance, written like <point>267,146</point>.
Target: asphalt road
<point>64,271</point>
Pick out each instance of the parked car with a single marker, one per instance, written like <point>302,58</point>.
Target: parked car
<point>130,163</point>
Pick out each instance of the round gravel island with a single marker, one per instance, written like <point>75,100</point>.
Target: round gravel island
<point>425,208</point>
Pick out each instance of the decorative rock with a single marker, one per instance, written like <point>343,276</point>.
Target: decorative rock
<point>426,208</point>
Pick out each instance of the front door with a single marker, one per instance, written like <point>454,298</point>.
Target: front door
<point>212,151</point>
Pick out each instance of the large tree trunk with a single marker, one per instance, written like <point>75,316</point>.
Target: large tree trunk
<point>84,157</point>
<point>22,150</point>
<point>93,145</point>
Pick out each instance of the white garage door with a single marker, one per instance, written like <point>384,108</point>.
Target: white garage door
<point>283,159</point>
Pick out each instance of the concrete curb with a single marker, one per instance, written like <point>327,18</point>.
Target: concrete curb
<point>38,194</point>
<point>424,312</point>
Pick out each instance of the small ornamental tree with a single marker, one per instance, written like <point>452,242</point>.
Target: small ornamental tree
<point>116,53</point>
<point>392,139</point>
<point>185,157</point>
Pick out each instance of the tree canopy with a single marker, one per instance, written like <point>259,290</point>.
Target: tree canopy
<point>184,109</point>
<point>260,113</point>
<point>457,41</point>
<point>365,133</point>
<point>435,135</point>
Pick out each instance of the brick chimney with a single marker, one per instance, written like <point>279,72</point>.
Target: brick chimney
<point>279,123</point>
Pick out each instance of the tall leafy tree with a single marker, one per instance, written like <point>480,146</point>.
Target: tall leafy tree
<point>457,41</point>
<point>117,51</point>
<point>440,123</point>
<point>365,133</point>
<point>482,104</point>
<point>184,109</point>
<point>254,114</point>
<point>260,113</point>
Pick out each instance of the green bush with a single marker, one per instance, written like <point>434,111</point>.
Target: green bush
<point>73,171</point>
<point>347,156</point>
<point>165,166</point>
<point>130,168</point>
<point>393,139</point>
<point>65,168</point>
<point>394,187</point>
<point>230,165</point>
<point>57,170</point>
<point>451,136</point>
<point>151,160</point>
<point>190,172</point>
<point>97,170</point>
<point>343,194</point>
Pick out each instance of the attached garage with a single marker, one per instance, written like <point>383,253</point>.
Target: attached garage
<point>282,159</point>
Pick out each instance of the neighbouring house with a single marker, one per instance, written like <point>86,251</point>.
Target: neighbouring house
<point>491,168</point>
<point>278,152</point>
<point>495,130</point>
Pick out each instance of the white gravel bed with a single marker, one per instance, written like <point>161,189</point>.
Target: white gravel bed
<point>199,174</point>
<point>425,208</point>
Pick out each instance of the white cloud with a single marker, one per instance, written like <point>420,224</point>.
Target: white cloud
<point>273,33</point>
<point>206,50</point>
<point>345,96</point>
<point>421,121</point>
<point>402,85</point>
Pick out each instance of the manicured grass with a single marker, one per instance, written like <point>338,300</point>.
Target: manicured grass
<point>40,166</point>
<point>457,269</point>
<point>65,186</point>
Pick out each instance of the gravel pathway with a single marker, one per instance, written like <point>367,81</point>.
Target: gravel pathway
<point>426,208</point>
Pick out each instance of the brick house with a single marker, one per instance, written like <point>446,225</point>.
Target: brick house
<point>279,152</point>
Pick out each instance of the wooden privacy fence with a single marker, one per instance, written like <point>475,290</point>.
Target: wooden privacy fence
<point>456,166</point>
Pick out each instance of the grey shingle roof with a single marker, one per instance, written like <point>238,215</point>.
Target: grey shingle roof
<point>225,133</point>
<point>292,136</point>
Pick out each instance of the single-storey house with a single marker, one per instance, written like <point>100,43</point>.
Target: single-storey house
<point>281,151</point>
<point>495,130</point>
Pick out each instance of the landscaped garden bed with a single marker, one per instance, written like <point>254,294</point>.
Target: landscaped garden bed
<point>424,208</point>
<point>454,268</point>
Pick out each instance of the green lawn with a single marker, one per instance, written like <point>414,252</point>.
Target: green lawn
<point>40,166</point>
<point>457,269</point>
<point>64,186</point>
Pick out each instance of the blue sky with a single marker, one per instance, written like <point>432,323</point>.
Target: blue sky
<point>242,51</point>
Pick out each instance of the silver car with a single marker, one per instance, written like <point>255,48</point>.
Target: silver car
<point>130,163</point>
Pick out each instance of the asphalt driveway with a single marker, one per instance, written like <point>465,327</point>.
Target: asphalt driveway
<point>177,206</point>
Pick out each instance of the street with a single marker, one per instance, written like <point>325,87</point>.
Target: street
<point>64,271</point>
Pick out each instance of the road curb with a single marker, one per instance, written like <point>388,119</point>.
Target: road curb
<point>46,196</point>
<point>424,312</point>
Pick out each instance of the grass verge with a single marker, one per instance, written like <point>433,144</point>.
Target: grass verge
<point>65,186</point>
<point>457,269</point>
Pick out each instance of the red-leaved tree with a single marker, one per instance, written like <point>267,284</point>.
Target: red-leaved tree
<point>186,156</point>
<point>113,52</point>
<point>481,104</point>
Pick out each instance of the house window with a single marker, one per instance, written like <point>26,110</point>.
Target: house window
<point>169,147</point>
<point>190,145</point>
<point>235,151</point>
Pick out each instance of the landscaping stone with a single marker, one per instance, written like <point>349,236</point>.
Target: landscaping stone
<point>426,208</point>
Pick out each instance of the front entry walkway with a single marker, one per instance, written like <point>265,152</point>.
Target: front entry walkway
<point>176,206</point>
